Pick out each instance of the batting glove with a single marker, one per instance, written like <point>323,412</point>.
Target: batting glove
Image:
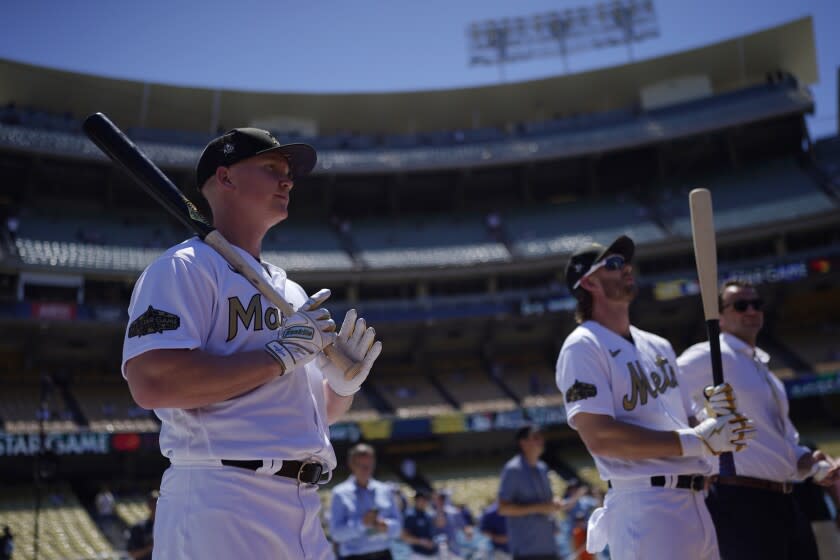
<point>356,341</point>
<point>304,334</point>
<point>720,400</point>
<point>714,436</point>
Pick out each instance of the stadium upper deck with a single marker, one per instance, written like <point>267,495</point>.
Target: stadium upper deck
<point>593,111</point>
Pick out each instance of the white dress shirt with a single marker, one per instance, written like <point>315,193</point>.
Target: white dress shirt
<point>775,450</point>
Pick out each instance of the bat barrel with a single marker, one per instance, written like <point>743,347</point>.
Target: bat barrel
<point>127,156</point>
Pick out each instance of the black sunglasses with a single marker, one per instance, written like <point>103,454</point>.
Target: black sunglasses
<point>743,304</point>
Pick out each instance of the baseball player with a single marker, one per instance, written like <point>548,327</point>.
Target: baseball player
<point>622,395</point>
<point>754,512</point>
<point>245,395</point>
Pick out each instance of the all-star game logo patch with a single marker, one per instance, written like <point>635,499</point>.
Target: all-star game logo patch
<point>153,321</point>
<point>580,391</point>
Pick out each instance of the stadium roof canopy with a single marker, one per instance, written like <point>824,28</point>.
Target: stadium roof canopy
<point>728,65</point>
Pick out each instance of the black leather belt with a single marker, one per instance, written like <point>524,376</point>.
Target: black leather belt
<point>757,483</point>
<point>685,481</point>
<point>305,472</point>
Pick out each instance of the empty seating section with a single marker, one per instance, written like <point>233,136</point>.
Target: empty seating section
<point>409,391</point>
<point>108,406</point>
<point>132,510</point>
<point>530,377</point>
<point>53,239</point>
<point>97,227</point>
<point>84,256</point>
<point>768,192</point>
<point>66,531</point>
<point>362,409</point>
<point>416,241</point>
<point>545,230</point>
<point>817,346</point>
<point>305,247</point>
<point>20,406</point>
<point>467,382</point>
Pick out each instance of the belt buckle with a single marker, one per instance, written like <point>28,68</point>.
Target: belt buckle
<point>319,470</point>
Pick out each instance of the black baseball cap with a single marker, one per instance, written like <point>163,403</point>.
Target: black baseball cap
<point>525,431</point>
<point>582,260</point>
<point>243,143</point>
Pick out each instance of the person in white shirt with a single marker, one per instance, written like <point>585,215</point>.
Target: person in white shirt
<point>753,511</point>
<point>364,519</point>
<point>245,395</point>
<point>622,395</point>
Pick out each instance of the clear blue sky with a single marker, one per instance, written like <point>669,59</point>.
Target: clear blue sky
<point>358,45</point>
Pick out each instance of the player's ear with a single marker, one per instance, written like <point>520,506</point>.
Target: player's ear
<point>589,284</point>
<point>223,176</point>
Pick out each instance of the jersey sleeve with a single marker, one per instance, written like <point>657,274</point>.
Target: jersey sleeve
<point>508,487</point>
<point>171,308</point>
<point>694,373</point>
<point>583,376</point>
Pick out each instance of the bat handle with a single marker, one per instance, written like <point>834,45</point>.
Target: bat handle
<point>726,460</point>
<point>224,248</point>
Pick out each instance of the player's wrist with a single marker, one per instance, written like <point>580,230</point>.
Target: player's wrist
<point>276,352</point>
<point>691,444</point>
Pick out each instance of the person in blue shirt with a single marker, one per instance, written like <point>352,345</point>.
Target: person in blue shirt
<point>418,527</point>
<point>526,499</point>
<point>494,527</point>
<point>364,518</point>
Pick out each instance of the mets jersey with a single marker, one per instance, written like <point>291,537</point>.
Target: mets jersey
<point>601,372</point>
<point>191,298</point>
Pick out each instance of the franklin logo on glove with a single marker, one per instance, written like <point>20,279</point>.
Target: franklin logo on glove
<point>298,331</point>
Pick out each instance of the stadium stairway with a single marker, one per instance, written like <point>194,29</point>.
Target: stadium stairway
<point>376,399</point>
<point>779,350</point>
<point>70,402</point>
<point>441,388</point>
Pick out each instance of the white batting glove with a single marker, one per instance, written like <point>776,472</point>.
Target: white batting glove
<point>304,334</point>
<point>720,400</point>
<point>356,341</point>
<point>714,436</point>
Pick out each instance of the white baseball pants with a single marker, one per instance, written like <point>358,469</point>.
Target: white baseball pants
<point>227,512</point>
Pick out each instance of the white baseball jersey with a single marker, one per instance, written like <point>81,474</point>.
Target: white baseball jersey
<point>601,372</point>
<point>773,452</point>
<point>189,298</point>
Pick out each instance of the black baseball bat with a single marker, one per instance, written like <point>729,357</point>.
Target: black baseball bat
<point>130,158</point>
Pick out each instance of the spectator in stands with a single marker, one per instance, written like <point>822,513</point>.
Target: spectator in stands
<point>7,543</point>
<point>448,521</point>
<point>494,527</point>
<point>418,528</point>
<point>493,222</point>
<point>526,499</point>
<point>364,518</point>
<point>12,225</point>
<point>141,535</point>
<point>106,513</point>
<point>754,512</point>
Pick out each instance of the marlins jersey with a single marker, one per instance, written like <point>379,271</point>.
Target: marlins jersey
<point>189,298</point>
<point>601,372</point>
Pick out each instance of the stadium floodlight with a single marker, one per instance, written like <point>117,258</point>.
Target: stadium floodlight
<point>562,32</point>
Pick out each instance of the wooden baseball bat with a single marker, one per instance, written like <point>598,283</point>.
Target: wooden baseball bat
<point>131,159</point>
<point>705,256</point>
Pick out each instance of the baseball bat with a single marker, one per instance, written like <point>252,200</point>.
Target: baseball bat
<point>121,150</point>
<point>705,256</point>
